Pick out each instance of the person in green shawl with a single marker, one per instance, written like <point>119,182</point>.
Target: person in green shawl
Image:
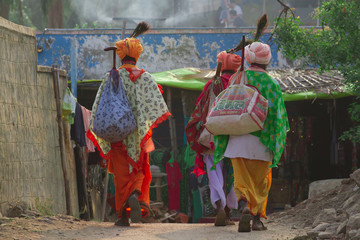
<point>253,155</point>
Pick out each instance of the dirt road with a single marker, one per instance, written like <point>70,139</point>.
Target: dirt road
<point>67,228</point>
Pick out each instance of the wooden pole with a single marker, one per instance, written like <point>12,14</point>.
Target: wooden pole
<point>80,172</point>
<point>172,124</point>
<point>107,172</point>
<point>104,196</point>
<point>242,54</point>
<point>61,138</point>
<point>217,77</point>
<point>264,6</point>
<point>123,29</point>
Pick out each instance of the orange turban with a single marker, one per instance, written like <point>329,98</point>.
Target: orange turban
<point>229,61</point>
<point>130,47</point>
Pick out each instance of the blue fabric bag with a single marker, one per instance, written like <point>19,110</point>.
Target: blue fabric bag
<point>114,120</point>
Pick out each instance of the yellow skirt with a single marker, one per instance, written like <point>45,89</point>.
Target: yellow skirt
<point>252,181</point>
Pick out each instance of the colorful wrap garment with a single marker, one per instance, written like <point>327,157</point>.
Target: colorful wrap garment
<point>202,106</point>
<point>152,111</point>
<point>276,125</point>
<point>221,182</point>
<point>195,125</point>
<point>129,159</point>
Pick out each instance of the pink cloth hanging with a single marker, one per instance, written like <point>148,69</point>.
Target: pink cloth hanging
<point>173,180</point>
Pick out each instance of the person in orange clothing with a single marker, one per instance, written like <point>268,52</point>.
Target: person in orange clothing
<point>128,159</point>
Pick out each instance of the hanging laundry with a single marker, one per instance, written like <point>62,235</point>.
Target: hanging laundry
<point>68,106</point>
<point>173,180</point>
<point>86,118</point>
<point>78,129</point>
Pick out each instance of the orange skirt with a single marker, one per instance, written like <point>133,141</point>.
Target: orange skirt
<point>252,181</point>
<point>126,183</point>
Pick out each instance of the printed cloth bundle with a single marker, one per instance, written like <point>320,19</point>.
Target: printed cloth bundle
<point>114,119</point>
<point>240,109</point>
<point>206,138</point>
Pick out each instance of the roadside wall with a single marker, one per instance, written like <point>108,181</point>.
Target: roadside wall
<point>30,163</point>
<point>80,51</point>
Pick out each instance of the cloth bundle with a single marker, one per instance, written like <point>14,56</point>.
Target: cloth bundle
<point>114,119</point>
<point>240,109</point>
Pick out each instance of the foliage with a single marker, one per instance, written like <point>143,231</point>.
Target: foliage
<point>334,46</point>
<point>43,206</point>
<point>353,134</point>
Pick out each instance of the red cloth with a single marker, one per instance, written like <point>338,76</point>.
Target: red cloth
<point>225,80</point>
<point>173,180</point>
<point>199,165</point>
<point>134,73</point>
<point>204,101</point>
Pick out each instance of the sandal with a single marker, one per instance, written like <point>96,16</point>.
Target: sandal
<point>244,223</point>
<point>122,223</point>
<point>262,228</point>
<point>229,222</point>
<point>220,219</point>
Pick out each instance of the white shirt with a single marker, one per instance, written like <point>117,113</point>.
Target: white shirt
<point>238,10</point>
<point>247,146</point>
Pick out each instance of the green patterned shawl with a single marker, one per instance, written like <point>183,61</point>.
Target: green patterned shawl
<point>276,124</point>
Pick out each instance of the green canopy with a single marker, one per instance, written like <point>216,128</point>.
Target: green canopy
<point>195,79</point>
<point>313,95</point>
<point>181,78</point>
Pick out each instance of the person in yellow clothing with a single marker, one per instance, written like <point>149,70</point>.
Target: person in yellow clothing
<point>252,155</point>
<point>128,159</point>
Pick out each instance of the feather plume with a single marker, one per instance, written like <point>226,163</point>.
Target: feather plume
<point>242,44</point>
<point>261,26</point>
<point>141,28</point>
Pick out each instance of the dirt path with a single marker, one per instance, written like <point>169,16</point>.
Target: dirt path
<point>65,227</point>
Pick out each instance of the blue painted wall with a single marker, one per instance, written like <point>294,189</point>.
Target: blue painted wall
<point>80,52</point>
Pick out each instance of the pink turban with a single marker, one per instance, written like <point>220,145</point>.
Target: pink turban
<point>258,52</point>
<point>229,61</point>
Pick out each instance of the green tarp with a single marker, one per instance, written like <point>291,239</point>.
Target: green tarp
<point>179,78</point>
<point>190,79</point>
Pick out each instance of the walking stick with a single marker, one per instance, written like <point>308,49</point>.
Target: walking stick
<point>217,80</point>
<point>114,55</point>
<point>242,55</point>
<point>107,172</point>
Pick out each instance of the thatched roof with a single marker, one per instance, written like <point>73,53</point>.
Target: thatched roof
<point>306,80</point>
<point>302,80</point>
